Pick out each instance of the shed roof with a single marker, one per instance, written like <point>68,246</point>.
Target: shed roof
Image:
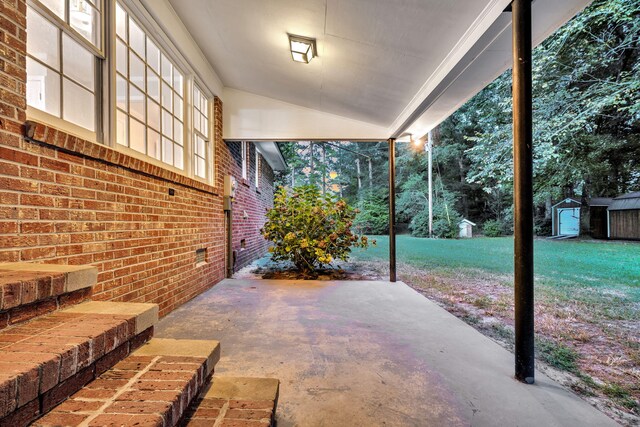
<point>628,201</point>
<point>466,221</point>
<point>567,201</point>
<point>600,201</point>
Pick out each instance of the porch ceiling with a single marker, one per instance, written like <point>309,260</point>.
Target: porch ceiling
<point>380,62</point>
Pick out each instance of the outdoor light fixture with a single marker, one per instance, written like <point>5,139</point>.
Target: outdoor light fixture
<point>303,49</point>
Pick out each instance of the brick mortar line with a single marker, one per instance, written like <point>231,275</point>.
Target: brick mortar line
<point>47,331</point>
<point>124,389</point>
<point>222,414</point>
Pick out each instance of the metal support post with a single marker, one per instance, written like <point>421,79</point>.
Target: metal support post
<point>523,191</point>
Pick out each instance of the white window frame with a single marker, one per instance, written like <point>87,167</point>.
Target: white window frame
<point>245,159</point>
<point>197,133</point>
<point>105,90</point>
<point>98,52</point>
<point>175,141</point>
<point>258,167</point>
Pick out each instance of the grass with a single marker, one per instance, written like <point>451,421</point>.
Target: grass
<point>587,270</point>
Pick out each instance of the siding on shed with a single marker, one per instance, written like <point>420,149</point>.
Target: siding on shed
<point>625,224</point>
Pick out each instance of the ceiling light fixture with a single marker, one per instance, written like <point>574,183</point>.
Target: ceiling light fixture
<point>303,49</point>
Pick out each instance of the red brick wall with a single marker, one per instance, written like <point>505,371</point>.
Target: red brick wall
<point>68,201</point>
<point>250,205</point>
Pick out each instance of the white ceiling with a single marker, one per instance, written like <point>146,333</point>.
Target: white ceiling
<point>384,66</point>
<point>374,55</point>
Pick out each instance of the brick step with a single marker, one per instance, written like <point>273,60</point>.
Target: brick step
<point>235,402</point>
<point>46,360</point>
<point>153,386</point>
<point>29,290</point>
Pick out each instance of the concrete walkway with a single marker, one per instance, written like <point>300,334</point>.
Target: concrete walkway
<point>358,353</point>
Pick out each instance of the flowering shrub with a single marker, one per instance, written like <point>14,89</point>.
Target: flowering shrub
<point>310,229</point>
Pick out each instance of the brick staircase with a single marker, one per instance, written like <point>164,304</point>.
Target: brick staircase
<point>68,361</point>
<point>235,402</point>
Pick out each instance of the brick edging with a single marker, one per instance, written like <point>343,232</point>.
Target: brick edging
<point>43,134</point>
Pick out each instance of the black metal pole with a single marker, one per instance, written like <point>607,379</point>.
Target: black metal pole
<point>523,191</point>
<point>392,210</point>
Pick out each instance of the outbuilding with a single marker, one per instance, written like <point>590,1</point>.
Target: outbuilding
<point>598,217</point>
<point>624,217</point>
<point>466,228</point>
<point>565,219</point>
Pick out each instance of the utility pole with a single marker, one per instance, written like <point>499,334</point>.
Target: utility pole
<point>370,174</point>
<point>429,148</point>
<point>358,172</point>
<point>311,172</point>
<point>324,169</point>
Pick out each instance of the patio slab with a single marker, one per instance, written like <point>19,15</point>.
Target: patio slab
<point>365,353</point>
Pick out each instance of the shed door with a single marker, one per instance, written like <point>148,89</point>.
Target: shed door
<point>569,219</point>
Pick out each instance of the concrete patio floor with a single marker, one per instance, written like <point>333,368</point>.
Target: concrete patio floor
<point>364,353</point>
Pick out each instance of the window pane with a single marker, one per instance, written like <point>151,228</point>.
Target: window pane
<point>177,82</point>
<point>85,19</point>
<point>43,88</point>
<point>204,126</point>
<point>196,121</point>
<point>153,144</point>
<point>137,140</point>
<point>178,157</point>
<point>136,37</point>
<point>167,96</point>
<point>79,105</point>
<point>167,124</point>
<point>166,69</point>
<point>177,131</point>
<point>201,170</point>
<point>121,58</point>
<point>153,56</point>
<point>136,70</point>
<point>78,62</point>
<point>136,102</point>
<point>42,42</point>
<point>153,114</point>
<point>121,22</point>
<point>122,126</point>
<point>167,151</point>
<point>56,6</point>
<point>177,106</point>
<point>121,92</point>
<point>203,106</point>
<point>196,97</point>
<point>199,146</point>
<point>153,84</point>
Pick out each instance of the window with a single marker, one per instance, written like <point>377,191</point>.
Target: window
<point>69,75</point>
<point>62,57</point>
<point>149,95</point>
<point>245,159</point>
<point>200,133</point>
<point>257,169</point>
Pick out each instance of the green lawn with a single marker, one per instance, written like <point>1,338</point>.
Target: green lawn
<point>611,267</point>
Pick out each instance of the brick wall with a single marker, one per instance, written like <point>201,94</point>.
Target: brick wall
<point>68,201</point>
<point>250,204</point>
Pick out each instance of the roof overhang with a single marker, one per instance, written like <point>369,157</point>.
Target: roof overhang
<point>476,53</point>
<point>271,153</point>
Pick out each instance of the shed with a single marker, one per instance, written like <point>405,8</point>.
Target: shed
<point>624,217</point>
<point>466,228</point>
<point>598,227</point>
<point>565,218</point>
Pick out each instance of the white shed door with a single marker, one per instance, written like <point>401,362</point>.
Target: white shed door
<point>569,219</point>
